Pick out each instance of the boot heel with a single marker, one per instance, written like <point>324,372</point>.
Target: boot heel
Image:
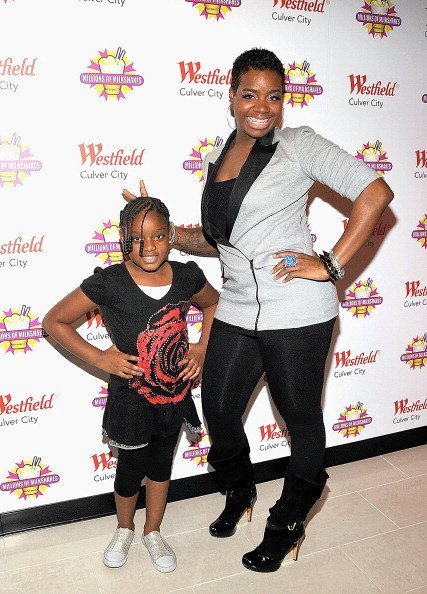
<point>250,508</point>
<point>296,548</point>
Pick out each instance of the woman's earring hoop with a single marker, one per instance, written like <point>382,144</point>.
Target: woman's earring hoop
<point>229,114</point>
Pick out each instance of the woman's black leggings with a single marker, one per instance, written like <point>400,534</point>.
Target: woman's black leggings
<point>294,362</point>
<point>153,461</point>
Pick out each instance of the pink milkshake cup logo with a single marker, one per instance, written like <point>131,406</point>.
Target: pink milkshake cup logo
<point>112,74</point>
<point>420,233</point>
<point>195,318</point>
<point>415,354</point>
<point>16,162</point>
<point>29,479</point>
<point>375,157</point>
<point>101,400</point>
<point>379,17</point>
<point>215,9</point>
<point>198,450</point>
<point>352,420</point>
<point>362,299</point>
<point>300,84</point>
<point>106,244</point>
<point>198,153</point>
<point>20,330</point>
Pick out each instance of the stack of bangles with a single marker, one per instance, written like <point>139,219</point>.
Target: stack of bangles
<point>332,265</point>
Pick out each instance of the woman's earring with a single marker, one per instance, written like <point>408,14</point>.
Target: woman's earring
<point>229,114</point>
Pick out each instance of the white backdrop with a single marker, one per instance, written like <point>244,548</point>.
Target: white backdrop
<point>77,126</point>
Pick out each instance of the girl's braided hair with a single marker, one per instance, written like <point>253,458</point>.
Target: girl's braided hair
<point>134,207</point>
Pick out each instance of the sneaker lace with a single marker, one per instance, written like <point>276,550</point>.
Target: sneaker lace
<point>158,547</point>
<point>119,539</point>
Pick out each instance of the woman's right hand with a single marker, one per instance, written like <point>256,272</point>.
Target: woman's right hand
<point>114,361</point>
<point>142,192</point>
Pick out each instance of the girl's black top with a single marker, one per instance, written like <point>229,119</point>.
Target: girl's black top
<point>155,330</point>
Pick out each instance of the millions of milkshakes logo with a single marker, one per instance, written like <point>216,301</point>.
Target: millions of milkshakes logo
<point>195,318</point>
<point>352,420</point>
<point>415,354</point>
<point>112,74</point>
<point>198,153</point>
<point>29,479</point>
<point>373,154</point>
<point>301,85</point>
<point>106,244</point>
<point>215,9</point>
<point>198,450</point>
<point>20,330</point>
<point>16,161</point>
<point>100,401</point>
<point>420,232</point>
<point>379,17</point>
<point>362,298</point>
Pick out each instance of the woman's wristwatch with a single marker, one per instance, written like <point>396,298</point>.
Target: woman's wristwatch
<point>332,265</point>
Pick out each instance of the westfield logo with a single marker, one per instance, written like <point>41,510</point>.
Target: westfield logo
<point>359,86</point>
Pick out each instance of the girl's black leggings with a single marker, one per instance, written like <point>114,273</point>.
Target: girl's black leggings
<point>294,362</point>
<point>153,461</point>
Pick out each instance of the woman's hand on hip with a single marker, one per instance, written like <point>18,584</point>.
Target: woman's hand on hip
<point>142,192</point>
<point>114,361</point>
<point>296,265</point>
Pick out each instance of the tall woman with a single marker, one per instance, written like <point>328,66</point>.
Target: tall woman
<point>279,303</point>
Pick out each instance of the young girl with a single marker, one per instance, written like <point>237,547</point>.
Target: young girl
<point>144,302</point>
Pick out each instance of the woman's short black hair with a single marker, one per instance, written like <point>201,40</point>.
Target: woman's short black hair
<point>255,59</point>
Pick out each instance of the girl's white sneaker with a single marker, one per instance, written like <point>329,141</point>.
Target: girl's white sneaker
<point>161,554</point>
<point>116,553</point>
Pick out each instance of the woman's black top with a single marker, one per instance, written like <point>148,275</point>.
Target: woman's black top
<point>219,194</point>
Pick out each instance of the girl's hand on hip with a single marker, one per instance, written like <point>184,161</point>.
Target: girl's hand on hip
<point>306,266</point>
<point>192,363</point>
<point>114,361</point>
<point>142,192</point>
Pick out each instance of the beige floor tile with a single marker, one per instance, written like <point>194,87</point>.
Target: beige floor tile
<point>422,590</point>
<point>412,461</point>
<point>71,576</point>
<point>2,555</point>
<point>331,523</point>
<point>403,502</point>
<point>348,478</point>
<point>199,512</point>
<point>395,562</point>
<point>200,558</point>
<point>58,542</point>
<point>329,572</point>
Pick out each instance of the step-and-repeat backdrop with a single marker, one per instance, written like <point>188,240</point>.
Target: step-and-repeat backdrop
<point>96,94</point>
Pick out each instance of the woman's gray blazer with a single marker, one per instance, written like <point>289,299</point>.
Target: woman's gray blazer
<point>266,214</point>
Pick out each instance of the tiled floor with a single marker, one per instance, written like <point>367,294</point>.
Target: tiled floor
<point>367,534</point>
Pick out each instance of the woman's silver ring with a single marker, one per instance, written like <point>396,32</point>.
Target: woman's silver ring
<point>289,261</point>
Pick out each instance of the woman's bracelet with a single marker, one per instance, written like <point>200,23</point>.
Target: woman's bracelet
<point>336,264</point>
<point>173,232</point>
<point>332,265</point>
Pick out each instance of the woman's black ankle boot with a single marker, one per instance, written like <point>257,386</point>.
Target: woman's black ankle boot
<point>285,525</point>
<point>236,476</point>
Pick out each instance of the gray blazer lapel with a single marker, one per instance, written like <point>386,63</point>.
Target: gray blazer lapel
<point>258,159</point>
